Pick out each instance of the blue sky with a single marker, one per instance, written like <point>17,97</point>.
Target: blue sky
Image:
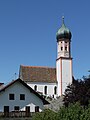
<point>28,34</point>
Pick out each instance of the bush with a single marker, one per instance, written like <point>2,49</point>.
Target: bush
<point>72,112</point>
<point>45,115</point>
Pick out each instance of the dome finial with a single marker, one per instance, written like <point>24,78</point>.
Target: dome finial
<point>63,32</point>
<point>62,19</point>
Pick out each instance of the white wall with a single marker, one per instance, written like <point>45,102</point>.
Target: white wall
<point>58,74</point>
<point>41,85</point>
<point>17,88</point>
<point>64,74</point>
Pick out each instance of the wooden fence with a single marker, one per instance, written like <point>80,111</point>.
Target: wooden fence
<point>16,114</point>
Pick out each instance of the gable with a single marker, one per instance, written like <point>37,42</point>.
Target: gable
<point>37,74</point>
<point>18,85</point>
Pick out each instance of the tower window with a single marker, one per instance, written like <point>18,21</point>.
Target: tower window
<point>55,90</point>
<point>45,90</point>
<point>66,48</point>
<point>35,87</point>
<point>61,48</point>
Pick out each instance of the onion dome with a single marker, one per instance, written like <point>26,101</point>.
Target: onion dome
<point>63,32</point>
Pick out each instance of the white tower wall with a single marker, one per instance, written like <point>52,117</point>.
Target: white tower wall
<point>58,75</point>
<point>64,74</point>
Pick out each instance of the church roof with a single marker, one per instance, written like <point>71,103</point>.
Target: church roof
<point>37,74</point>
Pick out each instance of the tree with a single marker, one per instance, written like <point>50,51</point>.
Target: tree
<point>78,91</point>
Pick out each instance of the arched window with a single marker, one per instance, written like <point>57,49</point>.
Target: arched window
<point>55,90</point>
<point>35,87</point>
<point>45,90</point>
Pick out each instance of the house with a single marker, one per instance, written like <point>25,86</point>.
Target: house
<point>18,96</point>
<point>51,81</point>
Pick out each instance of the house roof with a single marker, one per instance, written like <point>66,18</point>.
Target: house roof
<point>1,84</point>
<point>37,74</point>
<point>28,87</point>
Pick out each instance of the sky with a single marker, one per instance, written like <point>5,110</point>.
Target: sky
<point>28,34</point>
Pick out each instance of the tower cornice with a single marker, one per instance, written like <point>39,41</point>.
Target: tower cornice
<point>67,58</point>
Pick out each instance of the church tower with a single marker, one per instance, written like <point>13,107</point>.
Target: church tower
<point>64,59</point>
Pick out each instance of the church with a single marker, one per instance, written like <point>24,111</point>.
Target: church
<point>49,81</point>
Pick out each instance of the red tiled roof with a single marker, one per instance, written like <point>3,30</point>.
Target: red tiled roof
<point>37,74</point>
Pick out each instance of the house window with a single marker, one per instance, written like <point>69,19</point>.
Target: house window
<point>45,90</point>
<point>11,96</point>
<point>36,108</point>
<point>55,90</point>
<point>16,108</point>
<point>22,96</point>
<point>35,87</point>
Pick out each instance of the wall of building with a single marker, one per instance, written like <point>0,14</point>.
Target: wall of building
<point>66,73</point>
<point>58,74</point>
<point>17,88</point>
<point>41,88</point>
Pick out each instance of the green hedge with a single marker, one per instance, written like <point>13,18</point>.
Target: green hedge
<point>72,112</point>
